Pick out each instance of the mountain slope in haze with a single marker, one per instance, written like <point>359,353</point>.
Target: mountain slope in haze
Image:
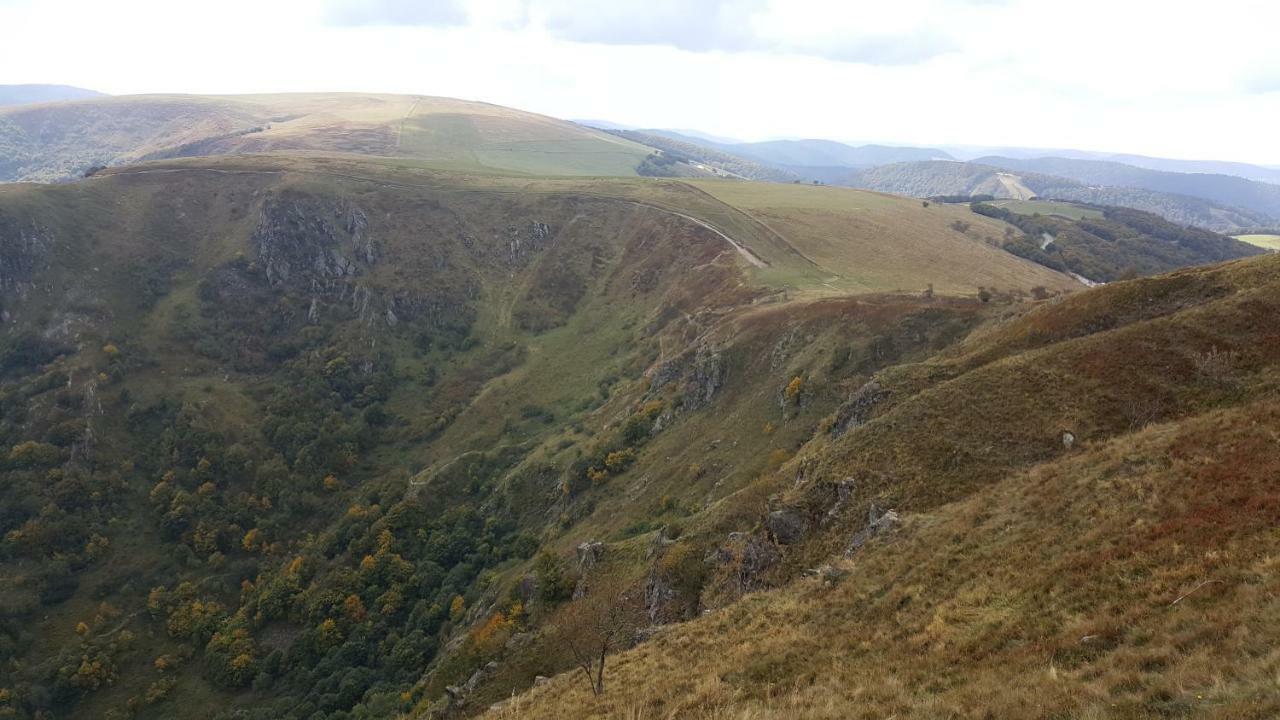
<point>692,153</point>
<point>31,94</point>
<point>934,179</point>
<point>1107,244</point>
<point>1249,171</point>
<point>62,140</point>
<point>797,154</point>
<point>1070,513</point>
<point>1228,190</point>
<point>288,437</point>
<point>827,153</point>
<point>1214,167</point>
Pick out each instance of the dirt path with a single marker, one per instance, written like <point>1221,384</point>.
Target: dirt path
<point>400,131</point>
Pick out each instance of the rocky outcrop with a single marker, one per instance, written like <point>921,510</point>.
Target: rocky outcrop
<point>743,561</point>
<point>878,523</point>
<point>323,248</point>
<point>25,250</point>
<point>857,409</point>
<point>454,703</point>
<point>787,526</point>
<point>307,239</point>
<point>699,374</point>
<point>589,553</point>
<point>659,597</point>
<point>524,241</point>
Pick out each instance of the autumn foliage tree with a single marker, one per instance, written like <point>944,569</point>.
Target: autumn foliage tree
<point>604,620</point>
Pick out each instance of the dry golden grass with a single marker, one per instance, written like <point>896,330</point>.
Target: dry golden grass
<point>1133,575</point>
<point>1136,578</point>
<point>864,241</point>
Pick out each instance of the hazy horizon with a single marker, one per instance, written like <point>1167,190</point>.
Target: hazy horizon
<point>1138,78</point>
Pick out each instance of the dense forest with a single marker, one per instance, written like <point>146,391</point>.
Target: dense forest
<point>1124,243</point>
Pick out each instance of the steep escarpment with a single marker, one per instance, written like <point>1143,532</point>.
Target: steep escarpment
<point>331,439</point>
<point>1067,512</point>
<point>218,393</point>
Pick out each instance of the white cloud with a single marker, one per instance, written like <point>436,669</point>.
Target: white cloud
<point>441,13</point>
<point>1162,78</point>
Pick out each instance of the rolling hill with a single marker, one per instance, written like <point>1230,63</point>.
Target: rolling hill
<point>63,140</point>
<point>1228,190</point>
<point>1107,244</point>
<point>690,153</point>
<point>931,179</point>
<point>1213,167</point>
<point>798,155</point>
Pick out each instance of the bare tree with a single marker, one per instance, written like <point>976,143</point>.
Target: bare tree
<point>604,620</point>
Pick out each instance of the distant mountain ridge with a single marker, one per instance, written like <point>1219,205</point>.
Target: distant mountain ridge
<point>1248,171</point>
<point>812,153</point>
<point>1225,189</point>
<point>931,179</point>
<point>31,94</point>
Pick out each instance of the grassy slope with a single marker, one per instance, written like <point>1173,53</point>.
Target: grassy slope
<point>1128,576</point>
<point>59,140</point>
<point>819,241</point>
<point>1270,242</point>
<point>682,287</point>
<point>1067,210</point>
<point>856,241</point>
<point>962,428</point>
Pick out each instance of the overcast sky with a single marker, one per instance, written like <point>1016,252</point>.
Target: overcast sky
<point>1173,78</point>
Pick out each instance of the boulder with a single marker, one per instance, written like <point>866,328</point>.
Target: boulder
<point>758,556</point>
<point>787,526</point>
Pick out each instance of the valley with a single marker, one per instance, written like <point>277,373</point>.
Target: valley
<point>339,406</point>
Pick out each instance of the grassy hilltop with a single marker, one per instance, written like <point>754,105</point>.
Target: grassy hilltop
<point>61,140</point>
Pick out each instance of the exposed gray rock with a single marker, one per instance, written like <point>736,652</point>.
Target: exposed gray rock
<point>857,409</point>
<point>700,374</point>
<point>540,680</point>
<point>828,574</point>
<point>659,543</point>
<point>878,523</point>
<point>296,239</point>
<point>658,598</point>
<point>523,242</point>
<point>843,491</point>
<point>1068,439</point>
<point>25,250</point>
<point>757,557</point>
<point>589,553</point>
<point>787,526</point>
